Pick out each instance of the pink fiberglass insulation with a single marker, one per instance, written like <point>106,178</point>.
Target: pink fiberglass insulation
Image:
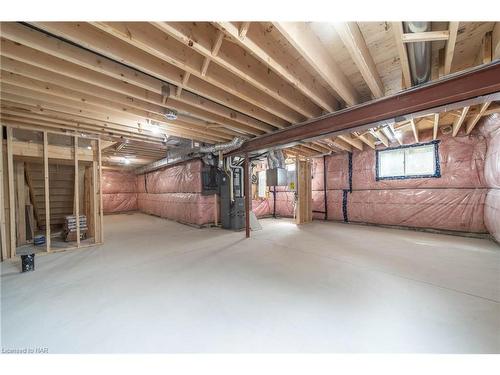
<point>455,201</point>
<point>119,191</point>
<point>175,193</point>
<point>490,127</point>
<point>461,160</point>
<point>119,202</point>
<point>190,208</point>
<point>181,178</point>
<point>261,207</point>
<point>451,209</point>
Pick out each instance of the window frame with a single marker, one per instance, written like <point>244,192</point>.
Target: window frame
<point>437,166</point>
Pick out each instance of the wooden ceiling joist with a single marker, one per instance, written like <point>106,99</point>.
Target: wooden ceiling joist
<point>317,95</point>
<point>474,120</point>
<point>397,29</point>
<point>308,45</point>
<point>48,53</point>
<point>459,121</point>
<point>450,46</point>
<point>355,43</point>
<point>355,142</point>
<point>165,73</point>
<point>246,68</point>
<point>137,41</point>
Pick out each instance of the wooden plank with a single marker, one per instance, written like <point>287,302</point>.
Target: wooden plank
<point>320,98</point>
<point>76,63</point>
<point>486,48</point>
<point>355,43</point>
<point>435,126</point>
<point>473,122</point>
<point>12,207</point>
<point>47,189</point>
<point>495,40</point>
<point>77,191</point>
<point>244,29</point>
<point>95,202</point>
<point>450,46</point>
<point>459,121</point>
<point>101,215</point>
<point>427,36</point>
<point>303,39</point>
<point>304,190</point>
<point>414,128</point>
<point>20,202</point>
<point>352,141</point>
<point>3,231</point>
<point>30,149</point>
<point>164,72</point>
<point>247,184</point>
<point>367,140</point>
<point>246,67</point>
<point>397,29</point>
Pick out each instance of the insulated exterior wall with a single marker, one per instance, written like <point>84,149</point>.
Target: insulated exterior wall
<point>490,127</point>
<point>175,193</point>
<point>119,190</point>
<point>455,201</point>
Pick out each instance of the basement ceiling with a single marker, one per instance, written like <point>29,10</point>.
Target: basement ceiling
<point>223,79</point>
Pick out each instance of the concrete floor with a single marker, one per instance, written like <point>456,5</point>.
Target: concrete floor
<point>159,286</point>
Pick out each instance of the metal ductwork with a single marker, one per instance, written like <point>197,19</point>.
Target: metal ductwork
<point>275,159</point>
<point>222,147</point>
<point>419,53</point>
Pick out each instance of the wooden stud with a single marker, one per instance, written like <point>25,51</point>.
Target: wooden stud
<point>459,121</point>
<point>3,232</point>
<point>47,189</point>
<point>20,194</point>
<point>12,207</point>
<point>248,192</point>
<point>77,191</point>
<point>101,215</point>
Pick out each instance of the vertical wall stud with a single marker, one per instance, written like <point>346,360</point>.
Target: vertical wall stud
<point>12,207</point>
<point>101,236</point>
<point>3,232</point>
<point>77,193</point>
<point>47,191</point>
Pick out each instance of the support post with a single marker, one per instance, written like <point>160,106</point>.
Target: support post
<point>101,224</point>
<point>248,188</point>
<point>77,193</point>
<point>47,191</point>
<point>12,206</point>
<point>3,232</point>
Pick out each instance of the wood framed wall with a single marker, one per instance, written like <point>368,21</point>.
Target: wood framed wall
<point>13,194</point>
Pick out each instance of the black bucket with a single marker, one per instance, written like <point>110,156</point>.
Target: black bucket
<point>27,263</point>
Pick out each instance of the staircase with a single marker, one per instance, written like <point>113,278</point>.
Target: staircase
<point>61,190</point>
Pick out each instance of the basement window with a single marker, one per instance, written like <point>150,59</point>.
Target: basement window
<point>413,161</point>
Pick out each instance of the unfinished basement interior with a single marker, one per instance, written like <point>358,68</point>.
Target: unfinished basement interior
<point>173,187</point>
